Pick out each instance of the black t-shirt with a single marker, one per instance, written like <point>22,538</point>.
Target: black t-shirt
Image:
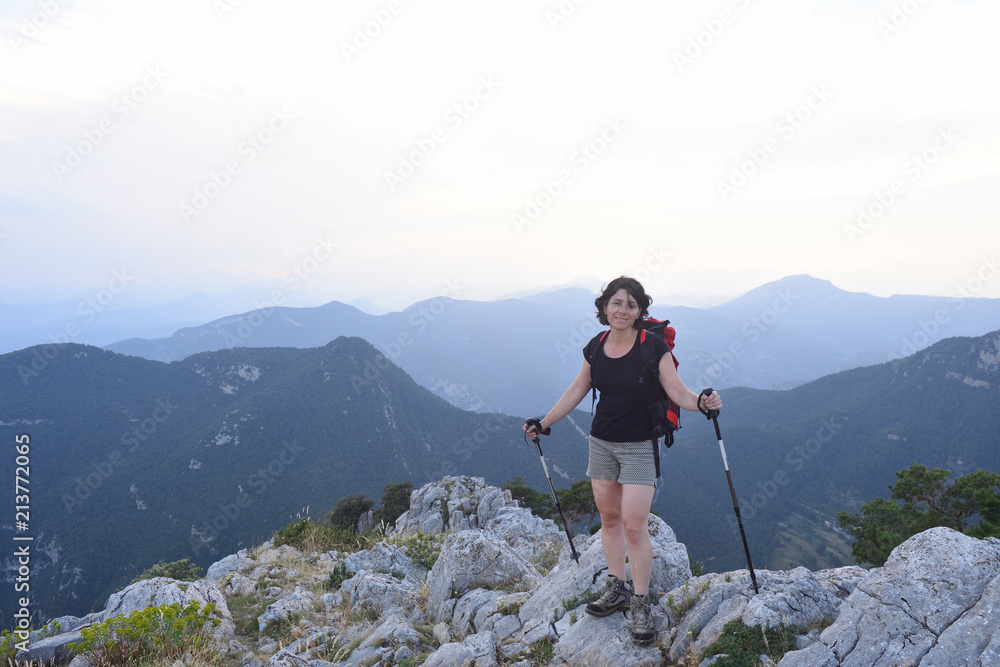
<point>626,392</point>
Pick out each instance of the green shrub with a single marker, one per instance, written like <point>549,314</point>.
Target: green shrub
<point>293,533</point>
<point>8,647</point>
<point>543,651</point>
<point>181,570</point>
<point>338,575</point>
<point>348,509</point>
<point>281,629</point>
<point>309,536</point>
<point>424,548</point>
<point>414,661</point>
<point>395,501</point>
<point>166,631</point>
<point>743,645</point>
<point>245,610</point>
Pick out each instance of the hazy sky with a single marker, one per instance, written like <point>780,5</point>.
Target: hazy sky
<point>402,149</point>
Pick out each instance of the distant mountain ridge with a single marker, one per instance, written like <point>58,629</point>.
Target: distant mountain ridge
<point>199,457</point>
<point>518,355</point>
<point>194,458</point>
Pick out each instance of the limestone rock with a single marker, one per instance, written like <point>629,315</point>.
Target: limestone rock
<point>478,650</point>
<point>386,559</point>
<point>50,650</point>
<point>375,592</point>
<point>927,605</point>
<point>798,597</point>
<point>603,641</point>
<point>239,585</point>
<point>479,610</point>
<point>163,590</point>
<point>394,630</point>
<point>534,539</point>
<point>238,562</point>
<point>297,603</point>
<point>568,583</point>
<point>934,603</point>
<point>474,559</point>
<point>452,504</point>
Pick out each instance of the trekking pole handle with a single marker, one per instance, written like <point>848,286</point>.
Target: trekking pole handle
<point>709,414</point>
<point>537,425</point>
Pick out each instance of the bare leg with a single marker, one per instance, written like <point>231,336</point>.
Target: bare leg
<point>608,496</point>
<point>636,500</point>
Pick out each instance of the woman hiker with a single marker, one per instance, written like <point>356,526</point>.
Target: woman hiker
<point>621,465</point>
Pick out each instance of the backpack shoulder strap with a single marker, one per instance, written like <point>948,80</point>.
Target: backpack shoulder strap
<point>646,347</point>
<point>592,347</point>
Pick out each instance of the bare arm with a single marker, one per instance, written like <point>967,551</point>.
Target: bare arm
<point>677,390</point>
<point>569,400</point>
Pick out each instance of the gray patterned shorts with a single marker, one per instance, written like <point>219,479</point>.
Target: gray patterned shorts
<point>623,462</point>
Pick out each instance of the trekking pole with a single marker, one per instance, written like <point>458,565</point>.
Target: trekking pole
<point>714,416</point>
<point>569,533</point>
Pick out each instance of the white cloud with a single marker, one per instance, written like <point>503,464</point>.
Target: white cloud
<point>355,119</point>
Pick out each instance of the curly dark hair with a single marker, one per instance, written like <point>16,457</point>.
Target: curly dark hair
<point>634,289</point>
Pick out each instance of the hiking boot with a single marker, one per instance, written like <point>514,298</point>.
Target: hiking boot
<point>616,596</point>
<point>642,621</point>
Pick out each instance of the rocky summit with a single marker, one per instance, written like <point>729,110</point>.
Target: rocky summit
<point>503,591</point>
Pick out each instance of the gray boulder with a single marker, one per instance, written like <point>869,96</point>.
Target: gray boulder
<point>50,650</point>
<point>702,606</point>
<point>568,583</point>
<point>162,590</point>
<point>603,641</point>
<point>934,602</point>
<point>478,650</point>
<point>474,559</point>
<point>386,559</point>
<point>375,592</point>
<point>394,629</point>
<point>239,562</point>
<point>534,539</point>
<point>974,636</point>
<point>238,584</point>
<point>281,610</point>
<point>480,609</point>
<point>452,504</point>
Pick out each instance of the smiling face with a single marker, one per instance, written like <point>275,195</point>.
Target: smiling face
<point>622,310</point>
